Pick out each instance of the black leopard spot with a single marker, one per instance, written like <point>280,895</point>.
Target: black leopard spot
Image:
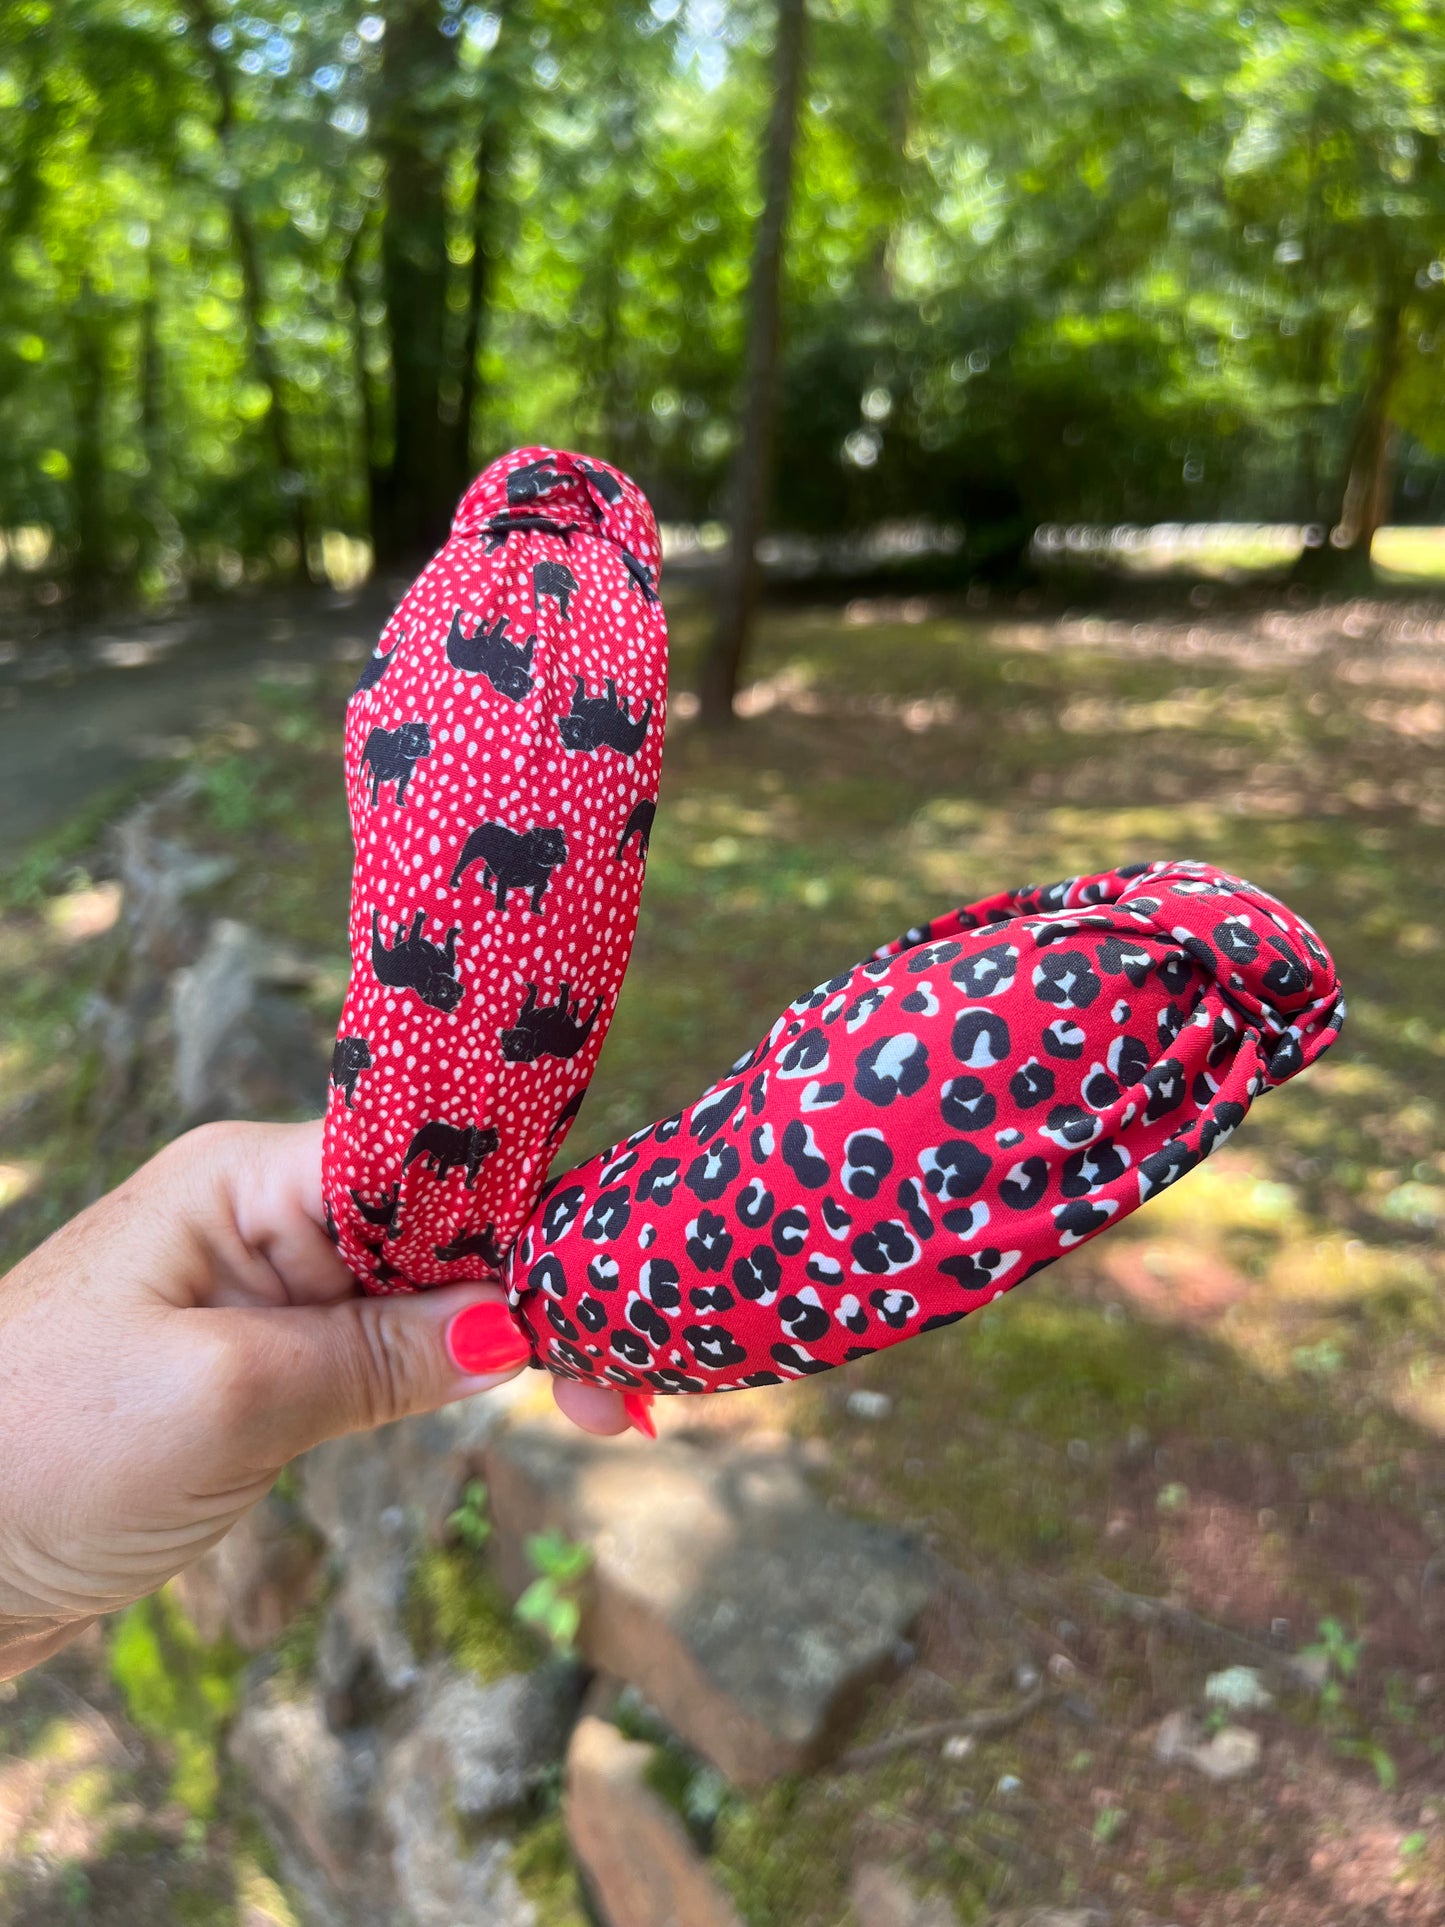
<point>893,1067</point>
<point>800,1154</point>
<point>655,1186</point>
<point>803,1316</point>
<point>886,1248</point>
<point>548,1276</point>
<point>760,1142</point>
<point>711,1113</point>
<point>758,1275</point>
<point>1031,1084</point>
<point>757,1093</point>
<point>980,1039</point>
<point>911,1203</point>
<point>560,1212</point>
<point>619,1167</point>
<point>1285,1059</point>
<point>658,1283</point>
<point>863,1007</point>
<point>867,1160</point>
<point>1099,1090</point>
<point>1067,1124</point>
<point>980,1270</point>
<point>666,1379</point>
<point>1128,1059</point>
<point>763,1378</point>
<point>838,1221</point>
<point>1088,1170</point>
<point>987,973</point>
<point>921,1002</point>
<point>932,956</point>
<point>1164,1167</point>
<point>668,1128</point>
<point>754,1203</point>
<point>710,1175</point>
<point>1175,973</point>
<point>604,1272</point>
<point>1220,1127</point>
<point>1165,1084</point>
<point>713,1346</point>
<point>581,1364</point>
<point>1065,977</point>
<point>629,1346</point>
<point>608,1217</point>
<point>1063,1038</point>
<point>648,1320</point>
<point>709,1242</point>
<point>560,1322</point>
<point>711,1298</point>
<point>592,1313</point>
<point>794,1360</point>
<point>955,1169</point>
<point>1025,1184</point>
<point>967,1104</point>
<point>824,1270</point>
<point>790,1229</point>
<point>805,1055</point>
<point>1118,957</point>
<point>1080,1220</point>
<point>1289,974</point>
<point>895,1308</point>
<point>851,1315</point>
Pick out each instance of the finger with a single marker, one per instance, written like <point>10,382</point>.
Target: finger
<point>594,1408</point>
<point>275,1188</point>
<point>295,1375</point>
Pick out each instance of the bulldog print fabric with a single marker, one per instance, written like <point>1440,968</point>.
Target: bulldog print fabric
<point>503,749</point>
<point>921,1133</point>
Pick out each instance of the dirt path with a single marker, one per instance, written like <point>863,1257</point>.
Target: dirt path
<point>79,716</point>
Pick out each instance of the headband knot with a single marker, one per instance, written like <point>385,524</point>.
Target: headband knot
<point>536,488</point>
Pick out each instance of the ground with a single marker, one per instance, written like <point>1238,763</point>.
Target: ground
<point>1234,1403</point>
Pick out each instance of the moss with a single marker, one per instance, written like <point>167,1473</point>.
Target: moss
<point>455,1606</point>
<point>544,1870</point>
<point>179,1690</point>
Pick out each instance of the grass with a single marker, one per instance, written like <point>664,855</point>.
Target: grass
<point>1237,1398</point>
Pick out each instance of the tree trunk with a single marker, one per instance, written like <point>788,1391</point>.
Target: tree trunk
<point>493,150</point>
<point>155,525</point>
<point>1344,560</point>
<point>419,494</point>
<point>752,466</point>
<point>374,479</point>
<point>903,56</point>
<point>253,291</point>
<point>89,556</point>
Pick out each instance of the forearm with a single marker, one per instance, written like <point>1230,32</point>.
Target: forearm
<point>26,1642</point>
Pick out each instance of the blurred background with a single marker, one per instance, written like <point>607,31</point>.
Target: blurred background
<point>1044,401</point>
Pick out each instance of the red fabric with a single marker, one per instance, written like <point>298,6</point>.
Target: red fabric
<point>503,750</point>
<point>919,1134</point>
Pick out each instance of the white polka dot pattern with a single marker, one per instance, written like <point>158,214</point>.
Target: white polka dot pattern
<point>503,751</point>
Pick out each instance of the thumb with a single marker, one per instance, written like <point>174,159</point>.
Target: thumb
<point>296,1375</point>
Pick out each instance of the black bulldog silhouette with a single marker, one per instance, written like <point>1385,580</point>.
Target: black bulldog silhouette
<point>506,665</point>
<point>444,1148</point>
<point>603,722</point>
<point>513,860</point>
<point>412,963</point>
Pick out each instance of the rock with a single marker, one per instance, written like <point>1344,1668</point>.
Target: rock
<point>745,1611</point>
<point>485,1750</point>
<point>253,1584</point>
<point>376,1498</point>
<point>874,1406</point>
<point>1229,1754</point>
<point>242,1049</point>
<point>473,1754</point>
<point>314,1786</point>
<point>881,1897</point>
<point>1240,1688</point>
<point>637,1858</point>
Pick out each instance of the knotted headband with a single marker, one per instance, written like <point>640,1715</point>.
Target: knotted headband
<point>503,748</point>
<point>921,1133</point>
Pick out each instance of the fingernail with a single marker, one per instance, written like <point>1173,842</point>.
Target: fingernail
<point>484,1338</point>
<point>638,1407</point>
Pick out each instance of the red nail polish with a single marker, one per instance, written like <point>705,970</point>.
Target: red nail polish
<point>484,1338</point>
<point>638,1407</point>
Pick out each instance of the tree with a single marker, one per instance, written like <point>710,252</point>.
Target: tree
<point>752,464</point>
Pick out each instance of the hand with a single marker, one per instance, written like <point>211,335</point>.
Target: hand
<point>164,1354</point>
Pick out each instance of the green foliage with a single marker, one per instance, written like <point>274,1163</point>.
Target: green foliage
<point>469,1522</point>
<point>552,1602</point>
<point>179,1690</point>
<point>456,1607</point>
<point>543,1867</point>
<point>1043,263</point>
